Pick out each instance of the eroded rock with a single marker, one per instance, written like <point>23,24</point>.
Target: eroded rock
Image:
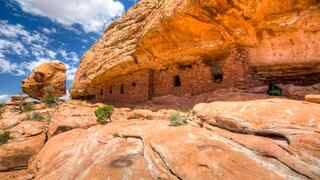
<point>46,78</point>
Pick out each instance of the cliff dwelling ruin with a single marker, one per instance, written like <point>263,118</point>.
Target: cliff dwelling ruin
<point>193,48</point>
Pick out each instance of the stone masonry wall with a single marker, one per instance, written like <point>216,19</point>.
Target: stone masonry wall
<point>199,77</point>
<point>179,79</point>
<point>126,89</point>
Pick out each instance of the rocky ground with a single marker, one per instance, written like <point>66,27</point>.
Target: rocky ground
<point>245,136</point>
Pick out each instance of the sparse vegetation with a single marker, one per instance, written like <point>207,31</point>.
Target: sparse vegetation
<point>177,119</point>
<point>26,107</point>
<point>2,106</point>
<point>49,98</point>
<point>104,113</point>
<point>4,137</point>
<point>37,117</point>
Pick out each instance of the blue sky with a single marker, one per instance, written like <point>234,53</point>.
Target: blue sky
<point>37,31</point>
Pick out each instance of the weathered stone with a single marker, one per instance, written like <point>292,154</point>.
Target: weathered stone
<point>47,78</point>
<point>292,125</point>
<point>314,98</point>
<point>17,153</point>
<point>277,39</point>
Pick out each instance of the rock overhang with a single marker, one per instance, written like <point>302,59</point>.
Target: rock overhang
<point>170,32</point>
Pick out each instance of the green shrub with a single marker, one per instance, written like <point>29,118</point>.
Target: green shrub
<point>27,107</point>
<point>37,117</point>
<point>104,113</point>
<point>4,137</point>
<point>50,100</point>
<point>2,106</point>
<point>177,119</point>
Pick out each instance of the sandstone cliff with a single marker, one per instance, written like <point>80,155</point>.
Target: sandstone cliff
<point>281,37</point>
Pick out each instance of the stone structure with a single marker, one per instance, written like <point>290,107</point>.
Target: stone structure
<point>46,77</point>
<point>189,47</point>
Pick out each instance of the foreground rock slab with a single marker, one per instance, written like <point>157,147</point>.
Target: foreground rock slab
<point>46,77</point>
<point>293,127</point>
<point>260,139</point>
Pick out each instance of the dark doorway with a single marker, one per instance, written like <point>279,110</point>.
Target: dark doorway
<point>122,89</point>
<point>177,81</point>
<point>216,73</point>
<point>134,84</point>
<point>101,92</point>
<point>110,90</point>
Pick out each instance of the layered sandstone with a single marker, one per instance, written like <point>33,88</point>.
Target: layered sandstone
<point>280,36</point>
<point>47,78</point>
<point>259,139</point>
<point>241,138</point>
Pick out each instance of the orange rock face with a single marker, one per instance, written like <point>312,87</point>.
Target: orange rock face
<point>46,77</point>
<point>261,139</point>
<point>280,36</point>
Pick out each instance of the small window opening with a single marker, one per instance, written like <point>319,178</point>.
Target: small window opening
<point>177,81</point>
<point>216,73</point>
<point>122,89</point>
<point>134,84</point>
<point>110,90</point>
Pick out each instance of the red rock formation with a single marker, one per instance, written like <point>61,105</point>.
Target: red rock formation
<point>262,139</point>
<point>279,39</point>
<point>44,78</point>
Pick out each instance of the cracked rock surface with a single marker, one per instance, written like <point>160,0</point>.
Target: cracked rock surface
<point>260,139</point>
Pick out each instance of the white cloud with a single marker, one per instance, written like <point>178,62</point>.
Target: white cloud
<point>11,31</point>
<point>93,15</point>
<point>12,46</point>
<point>4,98</point>
<point>71,56</point>
<point>12,68</point>
<point>49,31</point>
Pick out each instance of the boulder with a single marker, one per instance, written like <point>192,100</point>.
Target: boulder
<point>314,98</point>
<point>47,78</point>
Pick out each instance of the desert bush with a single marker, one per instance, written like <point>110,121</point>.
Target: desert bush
<point>177,119</point>
<point>104,113</point>
<point>36,117</point>
<point>49,98</point>
<point>4,137</point>
<point>2,106</point>
<point>26,107</point>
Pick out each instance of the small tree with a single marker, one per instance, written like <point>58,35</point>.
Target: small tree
<point>178,120</point>
<point>4,137</point>
<point>104,113</point>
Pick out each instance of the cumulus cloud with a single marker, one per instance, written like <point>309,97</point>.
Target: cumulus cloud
<point>12,68</point>
<point>93,15</point>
